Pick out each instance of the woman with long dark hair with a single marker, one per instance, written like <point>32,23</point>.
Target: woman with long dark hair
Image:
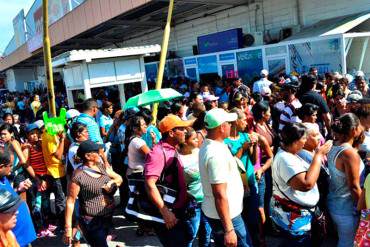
<point>189,156</point>
<point>12,145</point>
<point>137,149</point>
<point>345,168</point>
<point>105,120</point>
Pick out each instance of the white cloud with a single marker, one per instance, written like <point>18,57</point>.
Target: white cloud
<point>8,10</point>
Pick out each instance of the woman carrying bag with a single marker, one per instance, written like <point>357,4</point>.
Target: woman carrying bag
<point>295,192</point>
<point>94,185</point>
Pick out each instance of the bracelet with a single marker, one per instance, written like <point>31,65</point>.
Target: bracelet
<point>232,229</point>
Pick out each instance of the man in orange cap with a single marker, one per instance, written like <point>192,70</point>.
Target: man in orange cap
<point>163,160</point>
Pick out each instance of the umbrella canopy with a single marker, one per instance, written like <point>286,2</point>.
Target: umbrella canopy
<point>152,96</point>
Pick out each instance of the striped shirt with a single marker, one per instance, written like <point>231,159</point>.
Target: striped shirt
<point>92,127</point>
<point>289,114</point>
<point>91,198</point>
<point>36,159</point>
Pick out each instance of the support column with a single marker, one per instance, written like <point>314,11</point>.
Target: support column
<point>71,103</point>
<point>364,48</point>
<point>122,97</point>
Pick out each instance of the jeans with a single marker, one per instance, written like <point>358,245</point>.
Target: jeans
<point>251,214</point>
<point>199,223</point>
<point>346,227</point>
<point>239,228</point>
<point>95,229</point>
<point>40,216</point>
<point>295,241</point>
<point>174,237</point>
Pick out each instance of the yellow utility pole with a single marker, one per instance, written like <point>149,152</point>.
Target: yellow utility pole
<point>162,61</point>
<point>47,58</point>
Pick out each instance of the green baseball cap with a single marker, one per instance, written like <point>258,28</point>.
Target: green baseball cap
<point>218,116</point>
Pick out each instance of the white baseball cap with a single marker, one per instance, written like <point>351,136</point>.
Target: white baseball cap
<point>210,97</point>
<point>72,113</point>
<point>264,72</point>
<point>218,116</point>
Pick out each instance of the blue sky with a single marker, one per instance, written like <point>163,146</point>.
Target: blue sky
<point>8,10</point>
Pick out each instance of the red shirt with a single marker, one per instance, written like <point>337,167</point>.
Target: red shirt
<point>155,164</point>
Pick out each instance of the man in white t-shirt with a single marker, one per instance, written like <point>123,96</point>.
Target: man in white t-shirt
<point>221,182</point>
<point>261,83</point>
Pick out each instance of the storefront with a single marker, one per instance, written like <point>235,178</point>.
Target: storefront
<point>89,69</point>
<point>343,53</point>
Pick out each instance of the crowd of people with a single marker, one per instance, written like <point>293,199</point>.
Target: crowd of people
<point>227,163</point>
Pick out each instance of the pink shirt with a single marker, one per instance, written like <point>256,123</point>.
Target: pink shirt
<point>155,164</point>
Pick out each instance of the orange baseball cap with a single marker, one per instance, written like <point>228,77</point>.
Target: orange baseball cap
<point>171,121</point>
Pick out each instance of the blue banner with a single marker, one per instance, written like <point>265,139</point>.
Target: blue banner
<point>207,65</point>
<point>227,56</point>
<point>221,41</point>
<point>250,64</point>
<point>190,61</point>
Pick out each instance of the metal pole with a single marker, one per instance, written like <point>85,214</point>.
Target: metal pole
<point>47,59</point>
<point>162,61</point>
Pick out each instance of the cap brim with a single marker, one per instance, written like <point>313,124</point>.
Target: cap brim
<point>13,207</point>
<point>186,123</point>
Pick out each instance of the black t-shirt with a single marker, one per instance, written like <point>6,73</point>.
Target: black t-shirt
<point>315,98</point>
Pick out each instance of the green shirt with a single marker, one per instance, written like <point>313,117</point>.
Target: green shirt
<point>192,174</point>
<point>234,146</point>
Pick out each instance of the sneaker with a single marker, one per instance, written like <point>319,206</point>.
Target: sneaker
<point>52,228</point>
<point>111,237</point>
<point>45,233</point>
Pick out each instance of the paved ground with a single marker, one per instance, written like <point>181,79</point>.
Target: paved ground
<point>126,235</point>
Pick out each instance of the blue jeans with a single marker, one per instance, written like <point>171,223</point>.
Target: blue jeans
<point>239,228</point>
<point>295,241</point>
<point>95,229</point>
<point>251,214</point>
<point>346,227</point>
<point>199,222</point>
<point>174,237</point>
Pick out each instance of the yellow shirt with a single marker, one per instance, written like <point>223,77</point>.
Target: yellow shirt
<point>35,106</point>
<point>49,145</point>
<point>367,191</point>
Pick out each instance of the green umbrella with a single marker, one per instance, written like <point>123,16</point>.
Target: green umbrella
<point>152,96</point>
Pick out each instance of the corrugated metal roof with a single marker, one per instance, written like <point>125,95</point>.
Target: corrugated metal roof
<point>332,26</point>
<point>89,55</point>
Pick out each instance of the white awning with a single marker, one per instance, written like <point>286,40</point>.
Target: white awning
<point>89,55</point>
<point>338,25</point>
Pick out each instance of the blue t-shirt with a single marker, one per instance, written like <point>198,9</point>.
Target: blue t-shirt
<point>23,230</point>
<point>234,146</point>
<point>21,105</point>
<point>92,127</point>
<point>105,122</point>
<point>220,92</point>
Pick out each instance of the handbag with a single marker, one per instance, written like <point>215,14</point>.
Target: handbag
<point>362,237</point>
<point>140,205</point>
<point>319,223</point>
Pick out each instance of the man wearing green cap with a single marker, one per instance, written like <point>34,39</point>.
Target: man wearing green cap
<point>221,181</point>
